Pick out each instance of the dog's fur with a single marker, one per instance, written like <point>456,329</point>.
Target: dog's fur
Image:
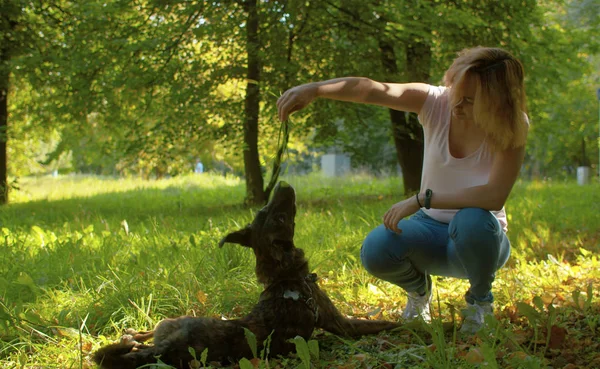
<point>292,304</point>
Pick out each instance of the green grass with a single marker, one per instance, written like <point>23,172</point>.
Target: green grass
<point>82,258</point>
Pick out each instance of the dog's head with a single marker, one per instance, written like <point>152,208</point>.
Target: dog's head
<point>271,237</point>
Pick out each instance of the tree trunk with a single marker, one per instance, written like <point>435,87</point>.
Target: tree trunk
<point>7,47</point>
<point>255,195</point>
<point>4,84</point>
<point>406,130</point>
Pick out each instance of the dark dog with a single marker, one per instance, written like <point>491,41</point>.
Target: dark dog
<point>292,304</point>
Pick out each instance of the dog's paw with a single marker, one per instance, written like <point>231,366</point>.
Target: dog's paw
<point>126,339</point>
<point>131,331</point>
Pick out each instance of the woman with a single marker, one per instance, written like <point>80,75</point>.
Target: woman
<point>475,129</point>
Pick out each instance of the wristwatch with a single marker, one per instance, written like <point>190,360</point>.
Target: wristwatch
<point>428,194</point>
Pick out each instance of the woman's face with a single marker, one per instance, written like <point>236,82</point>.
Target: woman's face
<point>464,109</point>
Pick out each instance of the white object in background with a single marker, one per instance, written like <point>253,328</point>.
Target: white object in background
<point>583,175</point>
<point>334,165</point>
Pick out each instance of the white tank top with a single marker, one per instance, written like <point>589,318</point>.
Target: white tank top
<point>441,171</point>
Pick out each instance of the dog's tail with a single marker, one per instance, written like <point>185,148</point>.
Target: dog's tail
<point>124,356</point>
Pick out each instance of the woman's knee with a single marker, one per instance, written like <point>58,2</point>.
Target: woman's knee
<point>375,254</point>
<point>475,226</point>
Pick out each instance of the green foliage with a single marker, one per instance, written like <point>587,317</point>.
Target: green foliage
<point>562,101</point>
<point>148,88</point>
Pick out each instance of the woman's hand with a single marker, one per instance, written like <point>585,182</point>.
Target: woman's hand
<point>398,211</point>
<point>295,98</point>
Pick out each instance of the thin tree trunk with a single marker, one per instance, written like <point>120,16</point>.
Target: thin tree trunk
<point>4,85</point>
<point>406,130</point>
<point>255,194</point>
<point>7,46</point>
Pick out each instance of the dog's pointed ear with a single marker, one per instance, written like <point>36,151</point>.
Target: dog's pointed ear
<point>242,237</point>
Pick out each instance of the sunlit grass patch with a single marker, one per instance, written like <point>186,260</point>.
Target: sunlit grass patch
<point>73,186</point>
<point>554,218</point>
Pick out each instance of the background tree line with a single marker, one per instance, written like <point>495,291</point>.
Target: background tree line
<point>150,86</point>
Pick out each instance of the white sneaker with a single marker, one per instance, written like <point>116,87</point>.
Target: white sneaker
<point>474,316</point>
<point>417,307</point>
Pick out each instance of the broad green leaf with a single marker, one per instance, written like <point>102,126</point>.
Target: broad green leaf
<point>26,280</point>
<point>251,339</point>
<point>529,312</point>
<point>303,351</point>
<point>204,356</point>
<point>313,347</point>
<point>245,364</point>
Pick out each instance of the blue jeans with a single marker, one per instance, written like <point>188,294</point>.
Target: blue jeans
<point>473,246</point>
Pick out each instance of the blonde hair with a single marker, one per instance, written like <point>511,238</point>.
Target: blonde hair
<point>499,106</point>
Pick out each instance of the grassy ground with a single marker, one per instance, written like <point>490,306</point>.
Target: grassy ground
<point>82,258</point>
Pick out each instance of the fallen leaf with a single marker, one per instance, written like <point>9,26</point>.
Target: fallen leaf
<point>345,366</point>
<point>521,336</point>
<point>375,313</point>
<point>548,298</point>
<point>519,355</point>
<point>86,347</point>
<point>202,297</point>
<point>360,357</point>
<point>557,337</point>
<point>570,366</point>
<point>474,356</point>
<point>67,332</point>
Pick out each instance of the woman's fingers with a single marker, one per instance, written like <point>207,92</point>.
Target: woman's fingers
<point>288,107</point>
<point>294,99</point>
<point>281,106</point>
<point>288,103</point>
<point>386,217</point>
<point>390,221</point>
<point>285,106</point>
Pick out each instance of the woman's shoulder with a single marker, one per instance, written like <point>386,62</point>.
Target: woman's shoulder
<point>435,104</point>
<point>437,91</point>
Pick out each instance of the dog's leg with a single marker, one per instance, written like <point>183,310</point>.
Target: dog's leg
<point>331,320</point>
<point>352,327</point>
<point>136,338</point>
<point>143,336</point>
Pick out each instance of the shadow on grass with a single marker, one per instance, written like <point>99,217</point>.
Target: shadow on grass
<point>145,204</point>
<point>132,205</point>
